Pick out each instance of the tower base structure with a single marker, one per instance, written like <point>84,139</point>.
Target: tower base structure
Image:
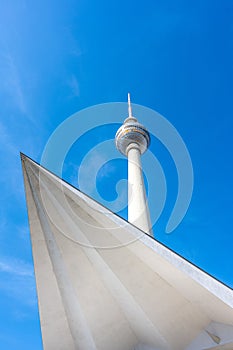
<point>104,284</point>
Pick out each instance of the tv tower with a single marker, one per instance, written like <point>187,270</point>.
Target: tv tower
<point>132,139</point>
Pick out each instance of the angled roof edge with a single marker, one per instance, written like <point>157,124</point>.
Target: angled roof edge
<point>215,286</point>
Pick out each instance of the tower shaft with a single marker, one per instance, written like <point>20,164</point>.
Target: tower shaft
<point>138,212</point>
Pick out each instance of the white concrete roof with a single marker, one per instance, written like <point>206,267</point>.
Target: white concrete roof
<point>104,284</point>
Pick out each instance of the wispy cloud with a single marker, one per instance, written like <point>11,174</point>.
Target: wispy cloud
<point>5,140</point>
<point>12,83</point>
<point>70,173</point>
<point>10,170</point>
<point>107,171</point>
<point>10,145</point>
<point>15,267</point>
<point>17,280</point>
<point>23,232</point>
<point>74,86</point>
<point>96,166</point>
<point>88,171</point>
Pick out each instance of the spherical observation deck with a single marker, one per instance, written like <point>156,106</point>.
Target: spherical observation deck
<point>132,132</point>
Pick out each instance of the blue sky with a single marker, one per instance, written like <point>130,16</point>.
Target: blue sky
<point>57,58</point>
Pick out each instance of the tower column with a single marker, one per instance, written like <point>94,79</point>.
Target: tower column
<point>138,213</point>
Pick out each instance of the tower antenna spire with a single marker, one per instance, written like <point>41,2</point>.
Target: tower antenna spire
<point>129,107</point>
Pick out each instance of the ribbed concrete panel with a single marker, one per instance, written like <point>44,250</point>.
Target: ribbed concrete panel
<point>104,284</point>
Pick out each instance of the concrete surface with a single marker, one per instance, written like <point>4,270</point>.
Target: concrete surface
<point>104,284</point>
